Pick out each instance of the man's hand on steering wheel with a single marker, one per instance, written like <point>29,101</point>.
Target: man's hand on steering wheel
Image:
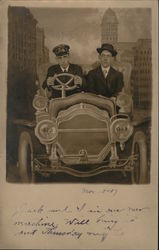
<point>51,80</point>
<point>78,80</point>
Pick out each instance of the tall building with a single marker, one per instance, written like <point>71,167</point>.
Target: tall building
<point>21,39</point>
<point>109,27</point>
<point>125,52</point>
<point>127,56</point>
<point>21,61</point>
<point>142,74</point>
<point>137,56</point>
<point>109,34</point>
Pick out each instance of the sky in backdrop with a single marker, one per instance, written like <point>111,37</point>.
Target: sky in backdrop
<point>81,28</point>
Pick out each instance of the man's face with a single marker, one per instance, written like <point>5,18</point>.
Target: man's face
<point>105,58</point>
<point>63,61</point>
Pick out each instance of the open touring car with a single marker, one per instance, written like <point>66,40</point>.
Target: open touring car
<point>82,135</point>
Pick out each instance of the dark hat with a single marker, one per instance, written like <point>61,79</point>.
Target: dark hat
<point>108,47</point>
<point>61,49</point>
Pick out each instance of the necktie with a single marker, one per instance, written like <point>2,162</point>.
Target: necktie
<point>64,78</point>
<point>105,73</point>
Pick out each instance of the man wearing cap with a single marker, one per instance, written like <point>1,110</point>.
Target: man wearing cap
<point>105,80</point>
<point>64,66</point>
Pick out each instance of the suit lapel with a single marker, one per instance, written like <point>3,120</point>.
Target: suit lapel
<point>70,69</point>
<point>109,79</point>
<point>100,75</point>
<point>110,75</point>
<point>59,70</point>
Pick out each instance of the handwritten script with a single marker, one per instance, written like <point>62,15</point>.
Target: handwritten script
<point>76,220</point>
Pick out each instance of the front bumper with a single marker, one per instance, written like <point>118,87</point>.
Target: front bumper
<point>87,170</point>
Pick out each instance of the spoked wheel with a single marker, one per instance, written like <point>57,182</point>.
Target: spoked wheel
<point>70,84</point>
<point>139,151</point>
<point>25,157</point>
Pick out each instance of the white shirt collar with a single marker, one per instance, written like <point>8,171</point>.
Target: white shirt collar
<point>65,69</point>
<point>105,69</point>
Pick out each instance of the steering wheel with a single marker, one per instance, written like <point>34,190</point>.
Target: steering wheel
<point>63,87</point>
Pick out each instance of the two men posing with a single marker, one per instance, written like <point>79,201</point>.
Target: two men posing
<point>103,80</point>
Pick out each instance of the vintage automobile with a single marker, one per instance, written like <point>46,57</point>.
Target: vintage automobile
<point>82,135</point>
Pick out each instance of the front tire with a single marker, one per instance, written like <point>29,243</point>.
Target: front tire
<point>25,157</point>
<point>139,149</point>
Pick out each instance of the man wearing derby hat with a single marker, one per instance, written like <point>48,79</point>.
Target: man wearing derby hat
<point>63,66</point>
<point>105,80</point>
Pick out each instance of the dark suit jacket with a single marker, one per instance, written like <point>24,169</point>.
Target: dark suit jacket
<point>98,84</point>
<point>56,69</point>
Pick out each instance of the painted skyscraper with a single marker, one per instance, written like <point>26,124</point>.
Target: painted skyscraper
<point>109,27</point>
<point>135,54</point>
